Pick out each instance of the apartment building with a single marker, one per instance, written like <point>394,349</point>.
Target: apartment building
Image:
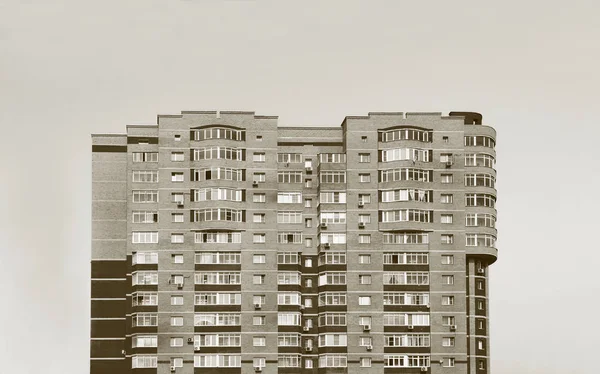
<point>222,243</point>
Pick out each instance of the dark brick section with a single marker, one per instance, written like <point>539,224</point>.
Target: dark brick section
<point>109,148</point>
<point>110,366</point>
<point>107,348</point>
<point>142,140</point>
<point>108,328</point>
<point>108,308</point>
<point>108,269</point>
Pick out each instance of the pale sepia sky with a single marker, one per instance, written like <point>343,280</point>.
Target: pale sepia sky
<point>72,68</point>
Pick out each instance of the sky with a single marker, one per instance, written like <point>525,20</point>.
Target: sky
<point>72,68</point>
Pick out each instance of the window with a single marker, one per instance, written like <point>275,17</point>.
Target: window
<point>364,279</point>
<point>288,277</point>
<point>447,238</point>
<point>144,278</point>
<point>364,157</point>
<point>176,321</point>
<point>308,183</point>
<point>308,223</point>
<point>215,173</point>
<point>447,300</point>
<point>288,258</point>
<point>308,283</point>
<point>177,217</point>
<point>289,177</point>
<point>289,319</point>
<point>333,217</point>
<point>364,259</point>
<point>142,216</point>
<point>332,319</point>
<point>331,360</point>
<point>258,279</point>
<point>288,298</point>
<point>363,139</point>
<point>364,178</point>
<point>405,174</point>
<point>177,259</point>
<point>177,156</point>
<point>143,361</point>
<point>480,220</point>
<point>365,341</point>
<point>308,203</point>
<point>176,342</point>
<point>217,152</point>
<point>176,177</point>
<point>364,300</point>
<point>144,237</point>
<point>406,277</point>
<point>398,258</point>
<point>447,178</point>
<point>289,197</point>
<point>177,362</point>
<point>259,259</point>
<point>447,259</point>
<point>410,194</point>
<point>365,362</point>
<point>258,238</point>
<point>177,238</point>
<point>364,239</point>
<point>259,198</point>
<point>289,237</point>
<point>446,198</point>
<point>407,154</point>
<point>215,277</point>
<point>260,177</point>
<point>177,138</point>
<point>258,218</point>
<point>218,237</point>
<point>144,319</point>
<point>259,341</point>
<point>177,197</point>
<point>479,141</point>
<point>289,158</point>
<point>332,158</point>
<point>308,363</point>
<point>217,319</point>
<point>480,285</point>
<point>479,159</point>
<point>332,278</point>
<point>448,362</point>
<point>480,305</point>
<point>288,361</point>
<point>145,196</point>
<point>258,157</point>
<point>364,198</point>
<point>406,133</point>
<point>333,238</point>
<point>308,242</point>
<point>218,133</point>
<point>176,279</point>
<point>289,217</point>
<point>332,298</point>
<point>217,360</point>
<point>259,362</point>
<point>259,138</point>
<point>333,340</point>
<point>145,176</point>
<point>223,194</point>
<point>446,158</point>
<point>481,240</point>
<point>333,177</point>
<point>332,197</point>
<point>447,279</point>
<point>144,258</point>
<point>332,258</point>
<point>144,298</point>
<point>445,139</point>
<point>364,218</point>
<point>217,298</point>
<point>144,341</point>
<point>259,320</point>
<point>446,218</point>
<point>405,298</point>
<point>480,199</point>
<point>481,179</point>
<point>448,320</point>
<point>308,263</point>
<point>219,214</point>
<point>481,364</point>
<point>308,303</point>
<point>479,344</point>
<point>406,215</point>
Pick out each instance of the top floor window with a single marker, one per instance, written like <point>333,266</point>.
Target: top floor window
<point>218,133</point>
<point>290,158</point>
<point>406,134</point>
<point>479,141</point>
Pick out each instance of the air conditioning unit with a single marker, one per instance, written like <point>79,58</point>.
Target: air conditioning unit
<point>369,348</point>
<point>410,327</point>
<point>361,225</point>
<point>324,225</point>
<point>190,340</point>
<point>309,168</point>
<point>255,184</point>
<point>481,271</point>
<point>302,307</point>
<point>448,162</point>
<point>428,306</point>
<point>366,327</point>
<point>452,327</point>
<point>197,348</point>
<point>179,285</point>
<point>173,368</point>
<point>180,203</point>
<point>423,368</point>
<point>361,204</point>
<point>326,245</point>
<point>257,306</point>
<point>306,328</point>
<point>123,352</point>
<point>308,349</point>
<point>258,369</point>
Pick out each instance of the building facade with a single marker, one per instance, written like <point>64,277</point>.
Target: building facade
<point>222,243</point>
